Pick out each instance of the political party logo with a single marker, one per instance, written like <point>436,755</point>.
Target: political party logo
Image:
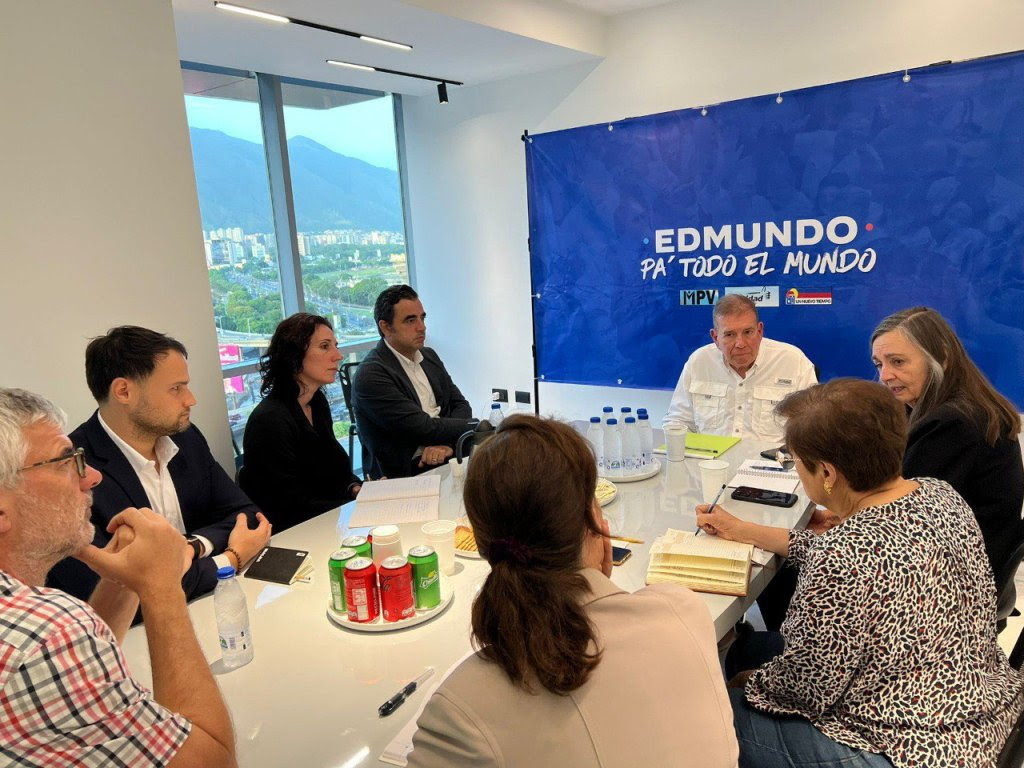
<point>698,297</point>
<point>793,296</point>
<point>762,295</point>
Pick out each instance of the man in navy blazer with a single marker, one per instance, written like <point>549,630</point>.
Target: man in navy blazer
<point>408,411</point>
<point>150,455</point>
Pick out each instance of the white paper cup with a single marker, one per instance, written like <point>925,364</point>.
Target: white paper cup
<point>675,443</point>
<point>387,542</point>
<point>458,469</point>
<point>441,536</point>
<point>714,473</point>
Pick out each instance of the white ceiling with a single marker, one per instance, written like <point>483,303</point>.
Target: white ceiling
<point>503,39</point>
<point>615,7</point>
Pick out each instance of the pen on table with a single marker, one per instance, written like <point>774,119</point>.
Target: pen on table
<point>770,469</point>
<point>399,698</point>
<point>713,502</point>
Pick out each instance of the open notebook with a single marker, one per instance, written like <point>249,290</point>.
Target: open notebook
<point>702,563</point>
<point>766,475</point>
<point>402,500</point>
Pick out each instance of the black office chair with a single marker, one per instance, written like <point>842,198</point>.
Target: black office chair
<point>345,378</point>
<point>1006,590</point>
<point>239,460</point>
<point>1012,754</point>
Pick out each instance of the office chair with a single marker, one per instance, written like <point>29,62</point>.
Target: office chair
<point>1006,590</point>
<point>1012,754</point>
<point>345,379</point>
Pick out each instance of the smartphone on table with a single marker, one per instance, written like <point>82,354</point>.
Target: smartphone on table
<point>620,555</point>
<point>761,496</point>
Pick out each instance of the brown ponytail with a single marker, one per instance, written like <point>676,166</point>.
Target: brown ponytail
<point>529,495</point>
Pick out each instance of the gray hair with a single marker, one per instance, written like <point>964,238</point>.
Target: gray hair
<point>20,409</point>
<point>733,304</point>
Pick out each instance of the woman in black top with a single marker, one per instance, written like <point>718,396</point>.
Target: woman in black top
<point>961,429</point>
<point>295,468</point>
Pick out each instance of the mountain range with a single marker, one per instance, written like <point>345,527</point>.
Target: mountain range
<point>331,190</point>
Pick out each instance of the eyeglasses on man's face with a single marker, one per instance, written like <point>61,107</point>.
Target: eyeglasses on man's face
<point>77,455</point>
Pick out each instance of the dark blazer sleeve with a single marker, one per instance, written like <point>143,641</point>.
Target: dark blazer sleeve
<point>452,403</point>
<point>382,400</point>
<point>943,447</point>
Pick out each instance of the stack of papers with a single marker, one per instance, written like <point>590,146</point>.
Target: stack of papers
<point>402,500</point>
<point>766,475</point>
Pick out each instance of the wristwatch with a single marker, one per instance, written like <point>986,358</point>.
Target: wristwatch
<point>196,544</point>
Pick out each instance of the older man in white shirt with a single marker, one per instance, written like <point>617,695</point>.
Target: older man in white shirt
<point>731,386</point>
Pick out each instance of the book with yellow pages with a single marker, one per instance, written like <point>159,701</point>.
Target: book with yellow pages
<point>702,563</point>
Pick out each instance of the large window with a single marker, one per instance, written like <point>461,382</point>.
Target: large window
<point>340,162</point>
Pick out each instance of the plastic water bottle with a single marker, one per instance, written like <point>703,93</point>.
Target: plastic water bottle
<point>496,415</point>
<point>232,620</point>
<point>612,449</point>
<point>624,411</point>
<point>646,438</point>
<point>595,436</point>
<point>630,447</point>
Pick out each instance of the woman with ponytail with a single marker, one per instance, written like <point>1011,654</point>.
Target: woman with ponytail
<point>571,670</point>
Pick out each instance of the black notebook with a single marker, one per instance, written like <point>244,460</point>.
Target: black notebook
<point>277,564</point>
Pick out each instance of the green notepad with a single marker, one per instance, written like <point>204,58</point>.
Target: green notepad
<point>700,446</point>
<point>708,446</point>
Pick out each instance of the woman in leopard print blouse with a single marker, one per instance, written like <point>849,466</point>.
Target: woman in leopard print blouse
<point>890,653</point>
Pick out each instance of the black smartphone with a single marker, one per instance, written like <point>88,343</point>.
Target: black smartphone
<point>620,555</point>
<point>772,453</point>
<point>761,496</point>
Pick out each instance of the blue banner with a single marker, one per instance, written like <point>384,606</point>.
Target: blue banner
<point>832,207</point>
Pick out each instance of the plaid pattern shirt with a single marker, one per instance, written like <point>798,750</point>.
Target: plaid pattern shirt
<point>66,696</point>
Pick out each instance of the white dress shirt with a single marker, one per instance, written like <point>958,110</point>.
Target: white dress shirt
<point>414,370</point>
<point>713,399</point>
<point>159,485</point>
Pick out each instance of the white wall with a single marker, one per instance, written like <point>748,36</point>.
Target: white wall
<point>99,221</point>
<point>467,171</point>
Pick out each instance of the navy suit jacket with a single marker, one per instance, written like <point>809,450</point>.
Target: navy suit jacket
<point>209,502</point>
<point>389,417</point>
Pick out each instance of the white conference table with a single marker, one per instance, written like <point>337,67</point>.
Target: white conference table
<point>309,698</point>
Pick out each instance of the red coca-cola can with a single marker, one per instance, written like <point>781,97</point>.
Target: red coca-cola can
<point>396,600</point>
<point>361,594</point>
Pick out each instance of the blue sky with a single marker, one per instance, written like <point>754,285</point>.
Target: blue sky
<point>364,130</point>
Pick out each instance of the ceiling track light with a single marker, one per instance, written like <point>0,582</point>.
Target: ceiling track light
<point>442,82</point>
<point>311,24</point>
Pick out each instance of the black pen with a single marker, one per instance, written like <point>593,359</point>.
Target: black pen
<point>713,502</point>
<point>770,469</point>
<point>399,698</point>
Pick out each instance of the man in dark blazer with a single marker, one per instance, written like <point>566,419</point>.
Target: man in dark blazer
<point>408,411</point>
<point>150,455</point>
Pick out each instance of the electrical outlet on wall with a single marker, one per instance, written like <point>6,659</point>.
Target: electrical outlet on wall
<point>499,395</point>
<point>522,397</point>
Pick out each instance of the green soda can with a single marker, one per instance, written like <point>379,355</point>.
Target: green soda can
<point>360,544</point>
<point>426,579</point>
<point>336,566</point>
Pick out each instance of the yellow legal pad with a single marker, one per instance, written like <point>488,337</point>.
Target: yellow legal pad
<point>702,563</point>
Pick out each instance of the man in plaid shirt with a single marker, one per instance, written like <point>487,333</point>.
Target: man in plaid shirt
<point>66,695</point>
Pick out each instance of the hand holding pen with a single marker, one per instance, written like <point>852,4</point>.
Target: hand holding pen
<point>708,509</point>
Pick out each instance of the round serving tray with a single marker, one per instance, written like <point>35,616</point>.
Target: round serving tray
<point>649,471</point>
<point>379,625</point>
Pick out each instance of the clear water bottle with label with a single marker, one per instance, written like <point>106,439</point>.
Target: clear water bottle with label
<point>630,447</point>
<point>232,613</point>
<point>496,415</point>
<point>643,426</point>
<point>595,436</point>
<point>612,449</point>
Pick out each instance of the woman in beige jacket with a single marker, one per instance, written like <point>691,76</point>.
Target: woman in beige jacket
<point>572,671</point>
